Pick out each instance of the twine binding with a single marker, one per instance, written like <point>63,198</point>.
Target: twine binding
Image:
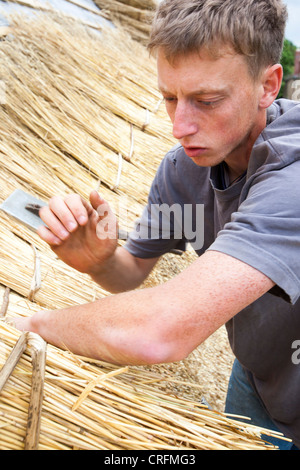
<point>36,279</point>
<point>117,183</point>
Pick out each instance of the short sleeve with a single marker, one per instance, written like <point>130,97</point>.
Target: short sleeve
<point>265,230</point>
<point>159,229</point>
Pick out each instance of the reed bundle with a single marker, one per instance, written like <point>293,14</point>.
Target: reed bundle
<point>143,4</point>
<point>51,102</point>
<point>33,165</point>
<point>69,139</point>
<point>60,286</point>
<point>135,16</point>
<point>117,7</point>
<point>46,7</point>
<point>91,405</point>
<point>68,142</point>
<point>9,182</point>
<point>111,58</point>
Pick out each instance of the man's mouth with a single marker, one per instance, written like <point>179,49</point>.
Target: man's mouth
<point>194,152</point>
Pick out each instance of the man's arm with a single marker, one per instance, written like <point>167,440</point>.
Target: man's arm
<point>160,324</point>
<point>122,271</point>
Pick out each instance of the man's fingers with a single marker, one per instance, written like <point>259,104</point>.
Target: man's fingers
<point>70,211</point>
<point>63,215</point>
<point>95,199</point>
<point>54,224</point>
<point>107,226</point>
<point>100,205</point>
<point>48,237</point>
<point>79,208</point>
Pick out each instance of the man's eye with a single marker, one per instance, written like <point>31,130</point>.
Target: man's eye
<point>170,99</point>
<point>209,104</point>
<point>206,103</point>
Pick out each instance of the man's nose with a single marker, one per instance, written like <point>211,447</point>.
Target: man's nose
<point>184,122</point>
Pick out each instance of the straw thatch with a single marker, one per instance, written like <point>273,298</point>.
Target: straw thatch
<point>89,405</point>
<point>78,108</point>
<point>135,16</point>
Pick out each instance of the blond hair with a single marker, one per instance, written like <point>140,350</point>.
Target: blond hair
<point>252,28</point>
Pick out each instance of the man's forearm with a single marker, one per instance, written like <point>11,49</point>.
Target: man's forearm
<point>121,329</point>
<point>122,271</point>
<point>160,324</point>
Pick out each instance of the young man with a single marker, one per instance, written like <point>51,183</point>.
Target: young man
<point>238,155</point>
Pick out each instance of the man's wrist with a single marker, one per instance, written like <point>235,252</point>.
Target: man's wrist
<point>99,270</point>
<point>35,321</point>
<point>32,324</point>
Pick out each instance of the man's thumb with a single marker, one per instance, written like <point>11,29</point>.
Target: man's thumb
<point>95,199</point>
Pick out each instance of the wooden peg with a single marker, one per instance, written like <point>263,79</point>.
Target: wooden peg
<point>38,355</point>
<point>13,359</point>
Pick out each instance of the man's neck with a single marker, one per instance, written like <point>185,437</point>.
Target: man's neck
<point>238,161</point>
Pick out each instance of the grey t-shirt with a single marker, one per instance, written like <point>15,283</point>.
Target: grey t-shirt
<point>256,220</point>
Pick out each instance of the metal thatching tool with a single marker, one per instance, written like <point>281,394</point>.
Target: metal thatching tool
<point>25,208</point>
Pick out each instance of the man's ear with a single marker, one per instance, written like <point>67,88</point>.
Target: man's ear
<point>271,81</point>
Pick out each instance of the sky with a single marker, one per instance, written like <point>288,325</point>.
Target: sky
<point>293,29</point>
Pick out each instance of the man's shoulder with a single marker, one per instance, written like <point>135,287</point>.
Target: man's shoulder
<point>283,127</point>
<point>279,143</point>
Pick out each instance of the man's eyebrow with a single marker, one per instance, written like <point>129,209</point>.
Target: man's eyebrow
<point>162,89</point>
<point>208,91</point>
<point>200,91</point>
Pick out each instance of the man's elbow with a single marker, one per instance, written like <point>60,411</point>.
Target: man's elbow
<point>146,350</point>
<point>163,347</point>
<point>158,353</point>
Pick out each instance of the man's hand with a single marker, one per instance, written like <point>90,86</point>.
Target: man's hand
<point>84,235</point>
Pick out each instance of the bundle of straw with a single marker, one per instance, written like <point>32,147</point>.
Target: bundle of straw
<point>30,164</point>
<point>46,7</point>
<point>135,16</point>
<point>143,4</point>
<point>96,406</point>
<point>60,285</point>
<point>65,97</point>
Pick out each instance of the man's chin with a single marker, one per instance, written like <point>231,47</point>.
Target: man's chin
<point>206,162</point>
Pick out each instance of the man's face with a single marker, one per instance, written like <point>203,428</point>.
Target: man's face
<point>214,107</point>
